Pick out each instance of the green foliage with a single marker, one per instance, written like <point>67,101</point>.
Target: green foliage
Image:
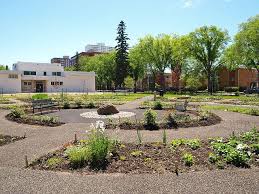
<point>193,83</point>
<point>244,110</point>
<point>122,63</point>
<point>79,103</point>
<point>90,105</point>
<point>136,153</point>
<point>40,96</point>
<point>231,89</point>
<point>17,112</point>
<point>206,47</point>
<point>170,120</point>
<point>193,143</point>
<point>188,159</point>
<point>78,156</point>
<point>177,142</point>
<point>150,119</point>
<point>129,82</point>
<point>213,158</point>
<point>54,162</point>
<point>182,118</point>
<point>66,105</point>
<point>123,158</point>
<point>44,119</point>
<point>158,105</point>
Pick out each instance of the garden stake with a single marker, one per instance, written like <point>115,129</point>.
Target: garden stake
<point>26,161</point>
<point>176,170</point>
<point>164,137</point>
<point>233,133</point>
<point>75,138</point>
<point>136,119</point>
<point>24,136</point>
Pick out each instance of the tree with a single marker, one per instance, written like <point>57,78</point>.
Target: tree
<point>2,67</point>
<point>180,55</point>
<point>245,49</point>
<point>206,47</point>
<point>157,52</point>
<point>137,65</point>
<point>77,66</point>
<point>104,67</point>
<point>122,63</point>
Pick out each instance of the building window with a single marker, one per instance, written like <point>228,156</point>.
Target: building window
<point>13,76</point>
<point>29,73</point>
<point>44,73</point>
<point>61,83</point>
<point>27,83</point>
<point>56,83</point>
<point>56,73</point>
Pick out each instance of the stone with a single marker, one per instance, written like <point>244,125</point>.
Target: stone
<point>107,109</point>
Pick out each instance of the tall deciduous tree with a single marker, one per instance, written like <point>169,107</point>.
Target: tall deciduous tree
<point>206,47</point>
<point>2,67</point>
<point>245,49</point>
<point>158,54</point>
<point>137,65</point>
<point>122,63</point>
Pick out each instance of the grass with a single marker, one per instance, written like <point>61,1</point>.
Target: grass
<point>242,99</point>
<point>243,110</point>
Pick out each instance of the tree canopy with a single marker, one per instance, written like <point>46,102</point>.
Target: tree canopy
<point>206,47</point>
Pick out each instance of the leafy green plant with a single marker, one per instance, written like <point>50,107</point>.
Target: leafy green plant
<point>66,105</point>
<point>54,162</point>
<point>78,156</point>
<point>17,112</point>
<point>177,142</point>
<point>123,158</point>
<point>136,153</point>
<point>158,105</point>
<point>193,143</point>
<point>171,121</point>
<point>79,103</point>
<point>150,120</point>
<point>213,158</point>
<point>188,159</point>
<point>90,105</point>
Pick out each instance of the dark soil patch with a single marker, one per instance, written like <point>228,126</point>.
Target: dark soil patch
<point>30,121</point>
<point>212,119</point>
<point>6,139</point>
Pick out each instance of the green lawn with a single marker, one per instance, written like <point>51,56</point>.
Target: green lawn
<point>244,110</point>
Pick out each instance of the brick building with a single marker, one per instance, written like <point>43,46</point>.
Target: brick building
<point>241,77</point>
<point>65,61</point>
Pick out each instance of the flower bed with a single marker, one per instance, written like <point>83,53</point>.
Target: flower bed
<point>20,116</point>
<point>6,139</point>
<point>179,155</point>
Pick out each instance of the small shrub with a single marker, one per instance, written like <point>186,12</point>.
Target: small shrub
<point>188,159</point>
<point>177,142</point>
<point>171,121</point>
<point>150,120</point>
<point>78,156</point>
<point>79,103</point>
<point>231,89</point>
<point>193,143</point>
<point>66,105</point>
<point>158,105</point>
<point>213,158</point>
<point>123,158</point>
<point>40,96</point>
<point>182,118</point>
<point>220,165</point>
<point>254,112</point>
<point>136,153</point>
<point>90,105</point>
<point>54,162</point>
<point>17,113</point>
<point>255,148</point>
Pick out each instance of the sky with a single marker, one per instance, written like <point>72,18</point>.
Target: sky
<point>38,30</point>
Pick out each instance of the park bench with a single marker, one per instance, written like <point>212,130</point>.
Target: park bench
<point>44,104</point>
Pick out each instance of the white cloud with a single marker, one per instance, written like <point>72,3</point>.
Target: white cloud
<point>187,3</point>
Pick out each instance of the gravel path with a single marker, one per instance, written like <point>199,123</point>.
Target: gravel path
<point>13,180</point>
<point>41,140</point>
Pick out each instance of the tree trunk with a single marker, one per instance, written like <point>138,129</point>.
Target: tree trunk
<point>257,84</point>
<point>210,90</point>
<point>162,80</point>
<point>135,86</point>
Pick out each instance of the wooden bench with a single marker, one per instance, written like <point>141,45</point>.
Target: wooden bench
<point>44,104</point>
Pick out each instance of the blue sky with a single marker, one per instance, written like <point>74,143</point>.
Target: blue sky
<point>37,30</point>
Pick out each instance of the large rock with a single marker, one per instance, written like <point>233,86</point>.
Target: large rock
<point>107,109</point>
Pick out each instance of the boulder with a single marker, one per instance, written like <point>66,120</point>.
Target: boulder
<point>107,109</point>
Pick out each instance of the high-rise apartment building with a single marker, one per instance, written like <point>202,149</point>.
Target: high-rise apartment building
<point>65,61</point>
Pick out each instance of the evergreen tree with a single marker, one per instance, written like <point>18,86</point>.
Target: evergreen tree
<point>122,63</point>
<point>77,66</point>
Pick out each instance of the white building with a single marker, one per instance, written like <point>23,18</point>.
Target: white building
<point>99,47</point>
<point>45,77</point>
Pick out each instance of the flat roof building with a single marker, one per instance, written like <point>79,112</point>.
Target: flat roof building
<point>44,77</point>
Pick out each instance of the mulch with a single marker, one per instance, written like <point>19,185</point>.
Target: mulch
<point>6,139</point>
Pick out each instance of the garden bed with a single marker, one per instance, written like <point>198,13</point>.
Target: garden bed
<point>19,115</point>
<point>187,119</point>
<point>6,139</point>
<point>180,155</point>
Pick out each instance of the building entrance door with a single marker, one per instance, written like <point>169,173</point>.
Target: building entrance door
<point>39,87</point>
